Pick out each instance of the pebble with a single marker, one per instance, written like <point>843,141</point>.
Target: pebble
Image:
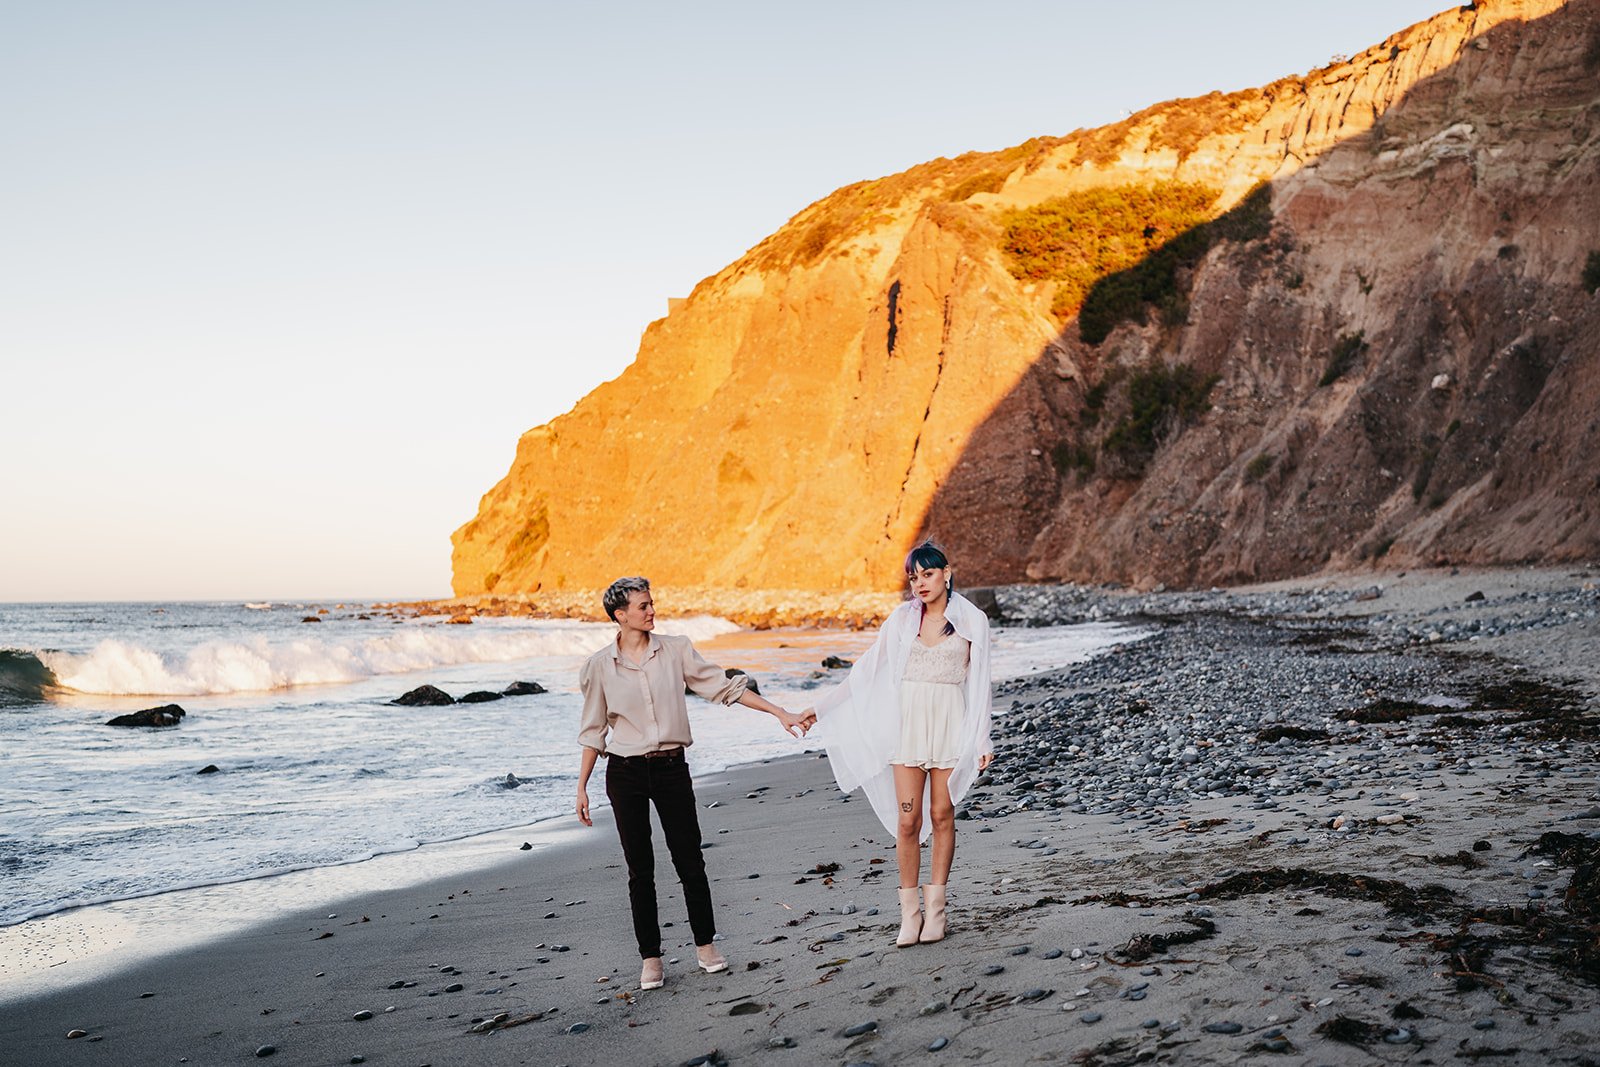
<point>782,1042</point>
<point>1020,950</point>
<point>992,970</point>
<point>1354,952</point>
<point>266,1050</point>
<point>401,984</point>
<point>1276,1044</point>
<point>577,1028</point>
<point>938,1044</point>
<point>362,1016</point>
<point>1150,1024</point>
<point>1091,1016</point>
<point>1036,994</point>
<point>1052,954</point>
<point>146,996</point>
<point>454,987</point>
<point>861,1028</point>
<point>1223,1028</point>
<point>1398,1037</point>
<point>71,1034</point>
<point>1483,1024</point>
<point>933,1007</point>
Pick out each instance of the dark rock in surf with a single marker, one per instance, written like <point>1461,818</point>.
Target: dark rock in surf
<point>523,689</point>
<point>424,696</point>
<point>166,715</point>
<point>210,768</point>
<point>481,696</point>
<point>836,663</point>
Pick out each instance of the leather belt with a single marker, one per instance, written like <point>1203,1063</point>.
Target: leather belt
<point>660,753</point>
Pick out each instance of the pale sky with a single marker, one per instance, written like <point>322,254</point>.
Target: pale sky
<point>281,283</point>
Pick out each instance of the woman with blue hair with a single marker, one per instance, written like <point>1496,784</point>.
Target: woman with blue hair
<point>910,728</point>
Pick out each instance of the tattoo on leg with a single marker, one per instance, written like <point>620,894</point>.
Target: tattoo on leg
<point>905,806</point>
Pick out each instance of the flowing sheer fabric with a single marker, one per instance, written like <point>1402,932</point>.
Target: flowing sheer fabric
<point>860,717</point>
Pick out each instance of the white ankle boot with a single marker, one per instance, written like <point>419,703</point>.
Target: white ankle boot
<point>910,918</point>
<point>933,925</point>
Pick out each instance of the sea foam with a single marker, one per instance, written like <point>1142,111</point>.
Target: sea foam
<point>120,667</point>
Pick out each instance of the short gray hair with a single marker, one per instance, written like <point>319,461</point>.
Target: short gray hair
<point>616,596</point>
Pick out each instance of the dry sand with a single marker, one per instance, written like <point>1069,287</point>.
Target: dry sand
<point>1308,943</point>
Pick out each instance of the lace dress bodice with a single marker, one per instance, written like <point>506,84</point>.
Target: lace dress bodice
<point>945,662</point>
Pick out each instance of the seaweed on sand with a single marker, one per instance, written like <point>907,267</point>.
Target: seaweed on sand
<point>1291,733</point>
<point>1400,898</point>
<point>1350,1031</point>
<point>1572,936</point>
<point>1388,709</point>
<point>1141,947</point>
<point>1118,1052</point>
<point>1543,710</point>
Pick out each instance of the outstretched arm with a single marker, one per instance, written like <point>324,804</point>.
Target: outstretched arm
<point>791,722</point>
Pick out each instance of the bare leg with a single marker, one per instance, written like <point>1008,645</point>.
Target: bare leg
<point>908,782</point>
<point>943,814</point>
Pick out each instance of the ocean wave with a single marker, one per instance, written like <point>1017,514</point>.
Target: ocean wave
<point>24,678</point>
<point>118,667</point>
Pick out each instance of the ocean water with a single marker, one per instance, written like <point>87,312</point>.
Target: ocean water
<point>315,767</point>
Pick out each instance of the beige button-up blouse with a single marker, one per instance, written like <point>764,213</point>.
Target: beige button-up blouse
<point>642,706</point>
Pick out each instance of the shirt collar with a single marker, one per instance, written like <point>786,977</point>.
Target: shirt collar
<point>616,647</point>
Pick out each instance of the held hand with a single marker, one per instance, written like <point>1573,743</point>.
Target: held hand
<point>792,722</point>
<point>810,718</point>
<point>583,807</point>
<point>984,761</point>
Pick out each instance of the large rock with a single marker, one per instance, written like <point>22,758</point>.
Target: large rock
<point>1431,204</point>
<point>165,715</point>
<point>481,696</point>
<point>523,689</point>
<point>424,696</point>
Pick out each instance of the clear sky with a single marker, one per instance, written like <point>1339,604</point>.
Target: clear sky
<point>282,283</point>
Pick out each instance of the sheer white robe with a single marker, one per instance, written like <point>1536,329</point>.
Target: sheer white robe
<point>860,717</point>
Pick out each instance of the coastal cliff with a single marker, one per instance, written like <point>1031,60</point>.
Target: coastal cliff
<point>1344,317</point>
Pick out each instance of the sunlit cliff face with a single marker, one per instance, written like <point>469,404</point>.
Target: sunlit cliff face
<point>887,367</point>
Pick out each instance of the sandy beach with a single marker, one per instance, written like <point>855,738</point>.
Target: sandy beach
<point>1336,821</point>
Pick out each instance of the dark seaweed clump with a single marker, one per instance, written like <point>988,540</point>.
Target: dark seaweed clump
<point>1399,898</point>
<point>1142,946</point>
<point>1350,1030</point>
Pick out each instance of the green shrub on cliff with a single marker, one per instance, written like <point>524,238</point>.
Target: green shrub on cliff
<point>1345,352</point>
<point>1161,401</point>
<point>1079,239</point>
<point>1154,279</point>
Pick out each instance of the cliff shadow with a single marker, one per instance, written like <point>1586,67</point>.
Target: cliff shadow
<point>1386,354</point>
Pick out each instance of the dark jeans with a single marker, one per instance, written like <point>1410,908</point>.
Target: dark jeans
<point>632,782</point>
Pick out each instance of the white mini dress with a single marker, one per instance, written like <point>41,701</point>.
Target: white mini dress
<point>933,703</point>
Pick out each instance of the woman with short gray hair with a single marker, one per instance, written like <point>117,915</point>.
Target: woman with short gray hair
<point>634,714</point>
